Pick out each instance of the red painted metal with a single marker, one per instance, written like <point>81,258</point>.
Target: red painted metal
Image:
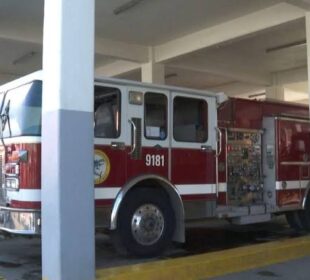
<point>293,146</point>
<point>104,202</point>
<point>222,198</point>
<point>190,166</point>
<point>118,163</point>
<point>288,197</point>
<point>199,197</point>
<point>30,171</point>
<point>138,167</point>
<point>248,114</point>
<point>193,166</point>
<point>25,204</point>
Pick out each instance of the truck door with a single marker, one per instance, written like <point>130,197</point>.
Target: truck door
<point>193,151</point>
<point>148,133</point>
<point>110,134</point>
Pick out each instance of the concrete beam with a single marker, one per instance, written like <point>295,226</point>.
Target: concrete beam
<point>239,27</point>
<point>290,76</point>
<point>304,4</point>
<point>6,77</point>
<point>116,68</point>
<point>121,50</point>
<point>27,34</point>
<point>153,73</point>
<point>234,71</point>
<point>237,89</point>
<point>275,93</point>
<point>295,96</point>
<point>111,48</point>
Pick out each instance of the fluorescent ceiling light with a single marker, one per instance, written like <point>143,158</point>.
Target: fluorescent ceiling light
<point>126,6</point>
<point>255,95</point>
<point>24,58</point>
<point>172,75</point>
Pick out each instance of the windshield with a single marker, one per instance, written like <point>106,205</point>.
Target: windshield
<point>22,110</point>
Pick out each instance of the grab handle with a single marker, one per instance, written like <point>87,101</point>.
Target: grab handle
<point>134,137</point>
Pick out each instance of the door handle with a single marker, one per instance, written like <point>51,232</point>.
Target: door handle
<point>219,140</point>
<point>206,148</point>
<point>134,136</point>
<point>118,145</point>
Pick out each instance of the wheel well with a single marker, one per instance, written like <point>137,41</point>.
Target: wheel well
<point>167,189</point>
<point>151,184</point>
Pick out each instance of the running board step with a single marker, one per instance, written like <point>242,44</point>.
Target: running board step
<point>228,212</point>
<point>251,219</point>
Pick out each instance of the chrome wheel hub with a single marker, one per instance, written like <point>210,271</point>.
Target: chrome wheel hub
<point>147,224</point>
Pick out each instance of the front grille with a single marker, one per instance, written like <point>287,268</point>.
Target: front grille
<point>2,189</point>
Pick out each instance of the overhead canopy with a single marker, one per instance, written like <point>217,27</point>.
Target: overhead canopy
<point>237,46</point>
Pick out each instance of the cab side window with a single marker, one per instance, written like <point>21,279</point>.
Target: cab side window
<point>155,116</point>
<point>107,112</point>
<point>190,120</point>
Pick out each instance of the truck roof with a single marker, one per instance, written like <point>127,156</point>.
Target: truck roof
<point>38,75</point>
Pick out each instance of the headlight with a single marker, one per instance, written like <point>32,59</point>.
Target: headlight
<point>12,183</point>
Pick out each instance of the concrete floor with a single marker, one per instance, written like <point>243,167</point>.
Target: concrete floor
<point>20,258</point>
<point>293,270</point>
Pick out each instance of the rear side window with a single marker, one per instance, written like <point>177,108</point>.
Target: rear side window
<point>190,120</point>
<point>107,112</point>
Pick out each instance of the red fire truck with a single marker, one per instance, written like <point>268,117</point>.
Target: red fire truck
<point>164,156</point>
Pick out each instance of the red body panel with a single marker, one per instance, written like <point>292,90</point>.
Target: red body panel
<point>25,204</point>
<point>194,166</point>
<point>248,114</point>
<point>292,138</point>
<point>124,168</point>
<point>199,197</point>
<point>290,197</point>
<point>190,166</point>
<point>136,168</point>
<point>30,171</point>
<point>118,174</point>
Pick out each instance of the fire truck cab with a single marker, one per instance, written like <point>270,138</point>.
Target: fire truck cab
<point>164,156</point>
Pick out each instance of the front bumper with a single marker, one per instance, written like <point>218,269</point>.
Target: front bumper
<point>20,221</point>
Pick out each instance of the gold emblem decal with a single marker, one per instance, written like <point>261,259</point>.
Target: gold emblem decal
<point>101,167</point>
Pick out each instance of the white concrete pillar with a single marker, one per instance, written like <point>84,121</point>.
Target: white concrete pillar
<point>275,92</point>
<point>153,73</point>
<point>308,49</point>
<point>68,250</point>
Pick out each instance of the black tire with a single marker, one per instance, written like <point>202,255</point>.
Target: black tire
<point>304,215</point>
<point>146,222</point>
<point>294,221</point>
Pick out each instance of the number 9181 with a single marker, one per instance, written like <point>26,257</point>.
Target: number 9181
<point>154,160</point>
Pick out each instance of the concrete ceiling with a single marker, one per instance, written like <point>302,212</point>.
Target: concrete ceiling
<point>156,22</point>
<point>223,45</point>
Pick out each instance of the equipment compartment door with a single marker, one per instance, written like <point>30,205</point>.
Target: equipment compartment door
<point>293,172</point>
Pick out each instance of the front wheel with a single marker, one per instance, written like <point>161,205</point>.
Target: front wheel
<point>146,222</point>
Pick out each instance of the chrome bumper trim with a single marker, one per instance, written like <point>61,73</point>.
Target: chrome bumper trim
<point>20,221</point>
